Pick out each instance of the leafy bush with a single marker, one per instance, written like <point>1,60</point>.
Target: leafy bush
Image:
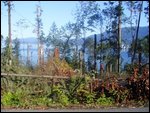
<point>93,73</point>
<point>28,92</point>
<point>104,101</point>
<point>90,98</point>
<point>70,87</point>
<point>129,68</point>
<point>12,99</point>
<point>59,96</point>
<point>120,95</point>
<point>138,87</point>
<point>41,101</point>
<point>84,95</point>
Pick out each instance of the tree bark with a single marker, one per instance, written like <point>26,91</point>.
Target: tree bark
<point>119,35</point>
<point>95,52</point>
<point>9,31</point>
<point>135,45</point>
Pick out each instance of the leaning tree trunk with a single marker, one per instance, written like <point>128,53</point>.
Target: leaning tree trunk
<point>135,45</point>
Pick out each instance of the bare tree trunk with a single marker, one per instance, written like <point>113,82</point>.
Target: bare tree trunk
<point>9,32</point>
<point>42,53</point>
<point>119,35</point>
<point>101,70</point>
<point>81,61</point>
<point>38,34</point>
<point>76,53</point>
<point>83,66</point>
<point>135,45</point>
<point>132,29</point>
<point>28,56</point>
<point>95,52</point>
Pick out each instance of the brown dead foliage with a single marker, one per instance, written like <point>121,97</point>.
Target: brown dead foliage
<point>55,66</point>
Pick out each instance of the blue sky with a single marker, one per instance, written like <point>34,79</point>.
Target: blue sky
<point>59,11</point>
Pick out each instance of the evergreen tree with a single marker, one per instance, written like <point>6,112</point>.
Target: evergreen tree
<point>54,38</point>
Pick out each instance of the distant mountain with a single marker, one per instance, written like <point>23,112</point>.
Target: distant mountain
<point>30,40</point>
<point>143,31</point>
<point>126,35</point>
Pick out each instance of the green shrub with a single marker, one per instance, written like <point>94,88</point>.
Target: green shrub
<point>41,101</point>
<point>93,73</point>
<point>74,101</point>
<point>119,95</point>
<point>59,96</point>
<point>104,101</point>
<point>90,98</point>
<point>11,99</point>
<point>63,99</point>
<point>70,88</point>
<point>84,95</point>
